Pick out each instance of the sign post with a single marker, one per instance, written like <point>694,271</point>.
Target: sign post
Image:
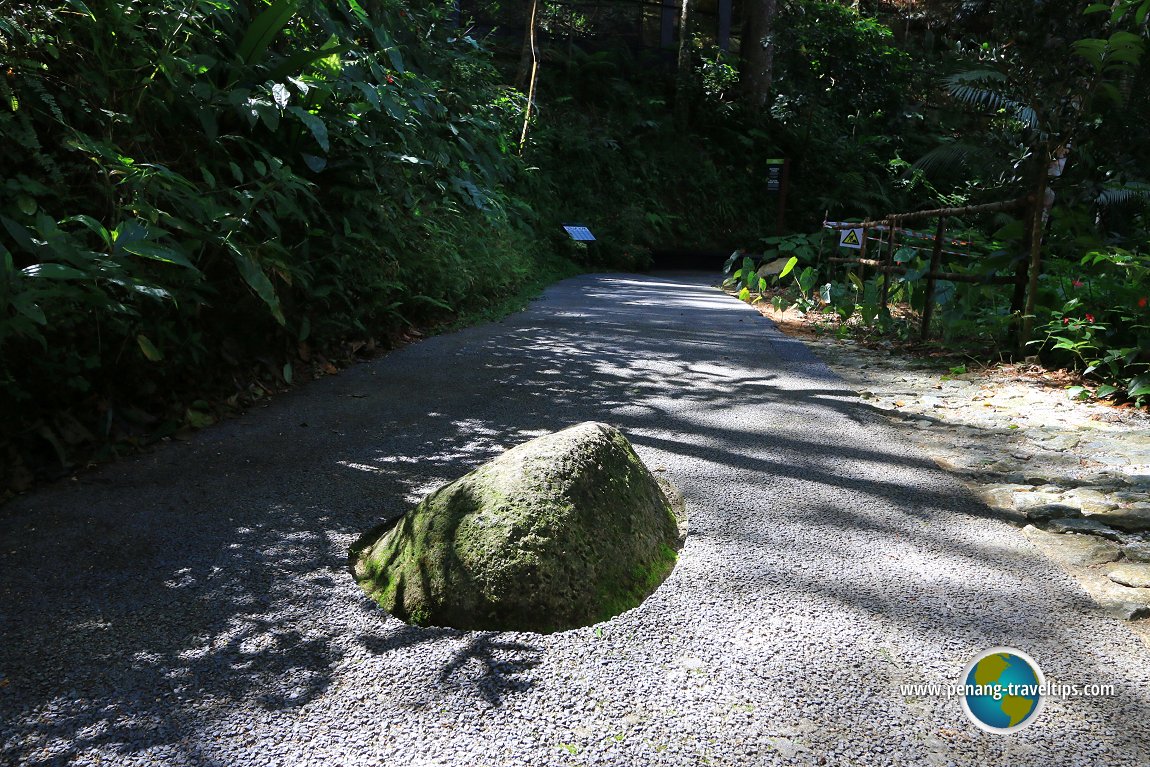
<point>778,177</point>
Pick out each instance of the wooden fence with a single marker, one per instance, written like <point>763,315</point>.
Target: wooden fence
<point>889,229</point>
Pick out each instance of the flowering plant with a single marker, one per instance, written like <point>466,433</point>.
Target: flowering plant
<point>1103,326</point>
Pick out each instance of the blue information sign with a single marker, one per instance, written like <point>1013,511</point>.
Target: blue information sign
<point>579,233</point>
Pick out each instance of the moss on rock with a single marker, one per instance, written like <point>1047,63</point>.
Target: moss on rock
<point>562,531</point>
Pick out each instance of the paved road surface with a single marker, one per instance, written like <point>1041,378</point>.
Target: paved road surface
<point>194,606</point>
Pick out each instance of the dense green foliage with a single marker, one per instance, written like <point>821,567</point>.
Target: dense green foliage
<point>1007,91</point>
<point>197,193</point>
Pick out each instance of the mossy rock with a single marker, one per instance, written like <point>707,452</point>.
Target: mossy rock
<point>563,531</point>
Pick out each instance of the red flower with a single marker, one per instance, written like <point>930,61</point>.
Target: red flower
<point>1065,320</point>
<point>1078,283</point>
<point>1142,302</point>
<point>390,79</point>
<point>1090,318</point>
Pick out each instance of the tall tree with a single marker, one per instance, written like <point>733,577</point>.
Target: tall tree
<point>759,54</point>
<point>683,76</point>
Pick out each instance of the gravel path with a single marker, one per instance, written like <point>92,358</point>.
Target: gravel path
<point>194,607</point>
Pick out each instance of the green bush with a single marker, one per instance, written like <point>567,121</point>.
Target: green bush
<point>197,193</point>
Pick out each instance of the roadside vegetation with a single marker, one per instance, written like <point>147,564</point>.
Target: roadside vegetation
<point>205,201</point>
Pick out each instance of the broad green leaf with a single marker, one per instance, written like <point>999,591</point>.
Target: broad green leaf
<point>94,225</point>
<point>79,6</point>
<point>287,373</point>
<point>1139,386</point>
<point>131,231</point>
<point>51,271</point>
<point>266,112</point>
<point>369,92</point>
<point>790,265</point>
<point>24,304</point>
<point>315,124</point>
<point>296,63</point>
<point>148,348</point>
<point>316,164</point>
<point>392,107</point>
<point>396,59</point>
<point>258,281</point>
<point>20,233</point>
<point>264,29</point>
<point>358,11</point>
<point>330,63</point>
<point>904,255</point>
<point>158,252</point>
<point>807,279</point>
<point>198,419</point>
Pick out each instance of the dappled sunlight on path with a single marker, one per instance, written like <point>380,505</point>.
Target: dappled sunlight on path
<point>195,607</point>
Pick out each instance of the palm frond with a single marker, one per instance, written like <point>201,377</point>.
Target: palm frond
<point>1130,193</point>
<point>974,76</point>
<point>993,102</point>
<point>958,157</point>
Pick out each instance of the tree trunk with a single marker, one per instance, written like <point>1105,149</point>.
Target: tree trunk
<point>1033,242</point>
<point>683,78</point>
<point>758,54</point>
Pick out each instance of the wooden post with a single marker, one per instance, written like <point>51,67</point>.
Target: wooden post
<point>781,222</point>
<point>935,265</point>
<point>887,262</point>
<point>822,244</point>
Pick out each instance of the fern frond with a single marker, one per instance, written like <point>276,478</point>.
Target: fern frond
<point>1127,194</point>
<point>974,76</point>
<point>993,102</point>
<point>950,158</point>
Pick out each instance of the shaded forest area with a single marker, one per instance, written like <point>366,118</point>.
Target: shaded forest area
<point>205,201</point>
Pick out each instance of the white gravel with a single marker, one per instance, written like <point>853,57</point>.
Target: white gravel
<point>194,607</point>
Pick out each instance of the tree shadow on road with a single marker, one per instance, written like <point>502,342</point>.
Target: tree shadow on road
<point>210,581</point>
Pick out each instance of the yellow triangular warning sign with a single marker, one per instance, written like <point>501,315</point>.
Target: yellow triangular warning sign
<point>851,238</point>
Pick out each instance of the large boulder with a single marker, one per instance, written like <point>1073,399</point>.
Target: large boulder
<point>562,531</point>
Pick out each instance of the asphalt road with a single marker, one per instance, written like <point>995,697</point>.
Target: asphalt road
<point>194,606</point>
